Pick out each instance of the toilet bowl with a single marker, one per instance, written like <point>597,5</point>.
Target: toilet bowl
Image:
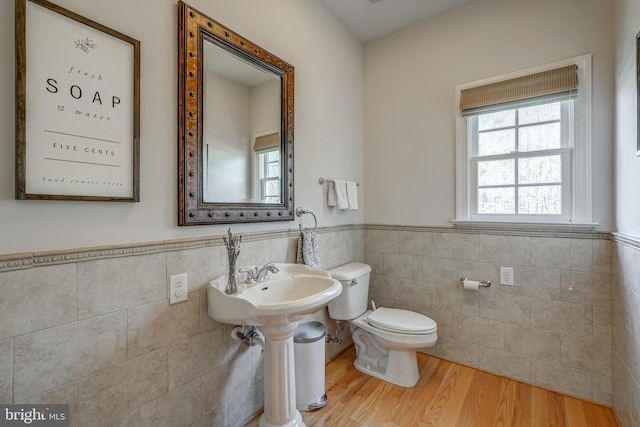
<point>386,339</point>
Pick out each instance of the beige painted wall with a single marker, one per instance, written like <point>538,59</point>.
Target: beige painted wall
<point>627,165</point>
<point>410,80</point>
<point>626,291</point>
<point>328,127</point>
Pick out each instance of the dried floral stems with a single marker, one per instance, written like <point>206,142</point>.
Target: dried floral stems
<point>233,250</point>
<point>233,246</point>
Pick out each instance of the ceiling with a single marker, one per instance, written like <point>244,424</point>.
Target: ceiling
<point>370,19</point>
<point>230,66</point>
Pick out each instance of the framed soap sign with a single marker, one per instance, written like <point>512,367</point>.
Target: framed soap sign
<point>77,107</point>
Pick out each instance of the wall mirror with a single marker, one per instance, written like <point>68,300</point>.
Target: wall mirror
<point>235,129</point>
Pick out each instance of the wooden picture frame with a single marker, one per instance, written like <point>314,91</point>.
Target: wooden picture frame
<point>77,107</point>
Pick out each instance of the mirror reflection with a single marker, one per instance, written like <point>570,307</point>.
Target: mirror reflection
<point>241,130</point>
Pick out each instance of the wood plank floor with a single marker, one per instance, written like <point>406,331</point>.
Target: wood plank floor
<point>447,395</point>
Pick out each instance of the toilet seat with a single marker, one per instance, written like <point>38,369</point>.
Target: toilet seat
<point>401,321</point>
<point>395,339</point>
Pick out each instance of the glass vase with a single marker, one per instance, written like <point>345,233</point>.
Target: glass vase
<point>232,281</point>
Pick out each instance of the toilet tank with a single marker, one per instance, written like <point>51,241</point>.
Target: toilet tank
<point>352,302</point>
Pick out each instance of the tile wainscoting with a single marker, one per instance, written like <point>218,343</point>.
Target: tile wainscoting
<point>571,322</point>
<point>93,328</point>
<point>553,328</point>
<point>625,355</point>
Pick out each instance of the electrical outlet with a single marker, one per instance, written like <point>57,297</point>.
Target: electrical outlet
<point>506,276</point>
<point>178,290</point>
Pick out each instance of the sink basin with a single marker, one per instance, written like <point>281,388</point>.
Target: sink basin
<point>288,296</point>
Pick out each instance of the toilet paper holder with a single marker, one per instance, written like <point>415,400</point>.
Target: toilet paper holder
<point>483,283</point>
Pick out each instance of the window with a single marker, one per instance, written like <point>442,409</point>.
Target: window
<point>520,161</point>
<point>269,175</point>
<point>523,147</point>
<point>267,168</point>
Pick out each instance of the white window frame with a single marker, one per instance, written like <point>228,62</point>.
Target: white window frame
<point>580,158</point>
<point>261,167</point>
<point>566,118</point>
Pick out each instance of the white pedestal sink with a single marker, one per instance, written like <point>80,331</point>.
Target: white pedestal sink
<point>276,306</point>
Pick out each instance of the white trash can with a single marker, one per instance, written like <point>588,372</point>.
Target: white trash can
<point>308,349</point>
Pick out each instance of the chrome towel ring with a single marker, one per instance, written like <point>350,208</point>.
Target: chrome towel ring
<point>301,211</point>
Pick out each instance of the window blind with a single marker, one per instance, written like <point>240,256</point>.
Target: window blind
<point>555,85</point>
<point>267,142</point>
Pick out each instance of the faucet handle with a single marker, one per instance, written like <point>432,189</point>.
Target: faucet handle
<point>251,275</point>
<point>271,266</point>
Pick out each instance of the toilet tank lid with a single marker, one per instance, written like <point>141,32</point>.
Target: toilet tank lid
<point>350,271</point>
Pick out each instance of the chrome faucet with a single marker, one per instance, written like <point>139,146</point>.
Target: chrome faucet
<point>259,275</point>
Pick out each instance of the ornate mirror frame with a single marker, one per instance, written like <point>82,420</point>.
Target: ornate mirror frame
<point>193,29</point>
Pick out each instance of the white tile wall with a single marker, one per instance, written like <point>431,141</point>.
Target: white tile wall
<point>36,299</point>
<point>53,357</point>
<point>112,392</point>
<point>626,331</point>
<point>159,324</point>
<point>553,328</point>
<point>107,285</point>
<point>67,393</point>
<point>6,370</point>
<point>99,334</point>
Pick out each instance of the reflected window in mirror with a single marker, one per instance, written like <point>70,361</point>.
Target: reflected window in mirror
<point>269,176</point>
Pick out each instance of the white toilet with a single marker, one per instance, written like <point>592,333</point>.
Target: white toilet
<point>386,339</point>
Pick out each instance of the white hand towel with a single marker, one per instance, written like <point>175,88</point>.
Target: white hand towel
<point>341,194</point>
<point>332,199</point>
<point>352,195</point>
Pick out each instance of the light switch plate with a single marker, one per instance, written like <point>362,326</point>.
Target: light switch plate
<point>178,290</point>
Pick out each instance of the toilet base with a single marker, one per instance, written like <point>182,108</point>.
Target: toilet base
<point>396,364</point>
<point>399,367</point>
